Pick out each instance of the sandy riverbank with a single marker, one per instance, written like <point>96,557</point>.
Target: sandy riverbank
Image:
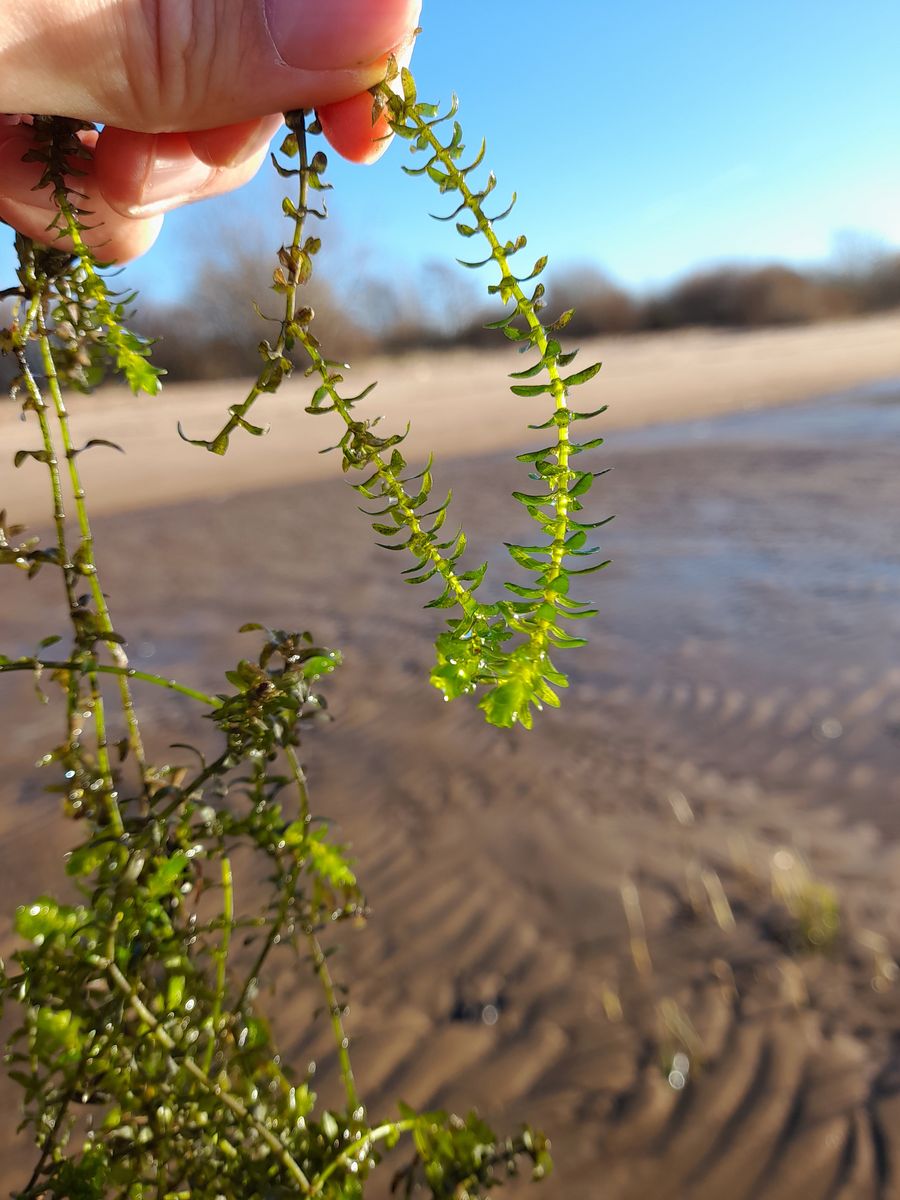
<point>458,405</point>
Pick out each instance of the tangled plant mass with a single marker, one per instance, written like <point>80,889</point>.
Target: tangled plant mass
<point>147,1065</point>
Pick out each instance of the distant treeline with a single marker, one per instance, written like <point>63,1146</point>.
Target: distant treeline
<point>214,333</point>
<point>208,337</point>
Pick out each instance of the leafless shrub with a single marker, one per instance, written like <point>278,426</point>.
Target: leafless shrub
<point>870,273</point>
<point>743,297</point>
<point>600,305</point>
<point>205,336</point>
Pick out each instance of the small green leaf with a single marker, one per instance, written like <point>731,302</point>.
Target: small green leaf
<point>526,592</point>
<point>89,445</point>
<point>523,558</point>
<point>417,579</point>
<point>21,456</point>
<point>320,664</point>
<point>45,917</point>
<point>535,499</point>
<point>533,456</point>
<point>175,992</point>
<point>330,1127</point>
<point>565,642</point>
<point>583,483</point>
<point>58,1030</point>
<point>529,372</point>
<point>506,704</point>
<point>590,571</point>
<point>562,321</point>
<point>329,861</point>
<point>475,576</point>
<point>583,376</point>
<point>163,880</point>
<point>87,859</point>
<point>531,389</point>
<point>295,834</point>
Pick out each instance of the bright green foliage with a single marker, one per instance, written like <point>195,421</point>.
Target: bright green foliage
<point>136,1010</point>
<point>506,647</point>
<point>147,1065</point>
<point>89,319</point>
<point>501,649</point>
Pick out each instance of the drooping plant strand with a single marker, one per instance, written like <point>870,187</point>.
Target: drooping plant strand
<point>502,648</point>
<point>541,609</point>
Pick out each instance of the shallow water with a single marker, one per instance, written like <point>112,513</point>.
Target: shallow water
<point>871,411</point>
<point>755,595</point>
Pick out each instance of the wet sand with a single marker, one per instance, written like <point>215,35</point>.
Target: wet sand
<point>614,887</point>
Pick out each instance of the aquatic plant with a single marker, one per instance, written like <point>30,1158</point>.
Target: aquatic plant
<point>501,649</point>
<point>147,1065</point>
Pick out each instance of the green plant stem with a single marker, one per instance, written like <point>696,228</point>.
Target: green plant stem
<point>319,959</point>
<point>46,664</point>
<point>37,402</point>
<point>320,965</point>
<point>231,1102</point>
<point>275,929</point>
<point>219,445</point>
<point>209,772</point>
<point>395,490</point>
<point>221,957</point>
<point>299,777</point>
<point>34,317</point>
<point>88,563</point>
<point>539,339</point>
<point>56,1130</point>
<point>378,1134</point>
<point>371,459</point>
<point>95,284</point>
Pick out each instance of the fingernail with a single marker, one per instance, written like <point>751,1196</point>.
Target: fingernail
<point>173,176</point>
<point>338,34</point>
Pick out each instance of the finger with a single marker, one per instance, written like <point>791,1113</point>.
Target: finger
<point>111,236</point>
<point>119,240</point>
<point>144,174</point>
<point>351,126</point>
<point>177,65</point>
<point>234,144</point>
<point>350,129</point>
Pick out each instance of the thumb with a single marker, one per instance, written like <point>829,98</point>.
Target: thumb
<point>176,65</point>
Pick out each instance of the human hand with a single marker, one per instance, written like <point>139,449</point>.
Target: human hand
<point>189,92</point>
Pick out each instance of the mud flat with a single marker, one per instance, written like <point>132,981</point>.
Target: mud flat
<point>606,926</point>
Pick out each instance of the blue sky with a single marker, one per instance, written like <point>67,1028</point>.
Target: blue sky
<point>641,135</point>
